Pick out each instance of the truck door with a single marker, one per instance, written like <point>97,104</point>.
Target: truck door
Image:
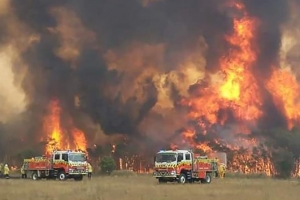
<point>188,159</point>
<point>180,158</point>
<point>65,157</point>
<point>56,159</point>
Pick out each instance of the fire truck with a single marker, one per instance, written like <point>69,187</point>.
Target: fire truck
<point>184,166</point>
<point>60,164</point>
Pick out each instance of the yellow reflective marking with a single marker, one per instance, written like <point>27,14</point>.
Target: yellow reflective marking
<point>60,162</point>
<point>165,165</point>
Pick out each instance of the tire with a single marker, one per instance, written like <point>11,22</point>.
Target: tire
<point>207,179</point>
<point>182,179</point>
<point>34,176</point>
<point>62,176</point>
<point>78,178</point>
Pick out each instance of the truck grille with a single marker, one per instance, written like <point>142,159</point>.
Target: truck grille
<point>163,174</point>
<point>77,171</point>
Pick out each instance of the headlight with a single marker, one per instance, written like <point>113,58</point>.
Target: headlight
<point>173,172</point>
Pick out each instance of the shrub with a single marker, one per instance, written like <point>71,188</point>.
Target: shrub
<point>284,163</point>
<point>107,165</point>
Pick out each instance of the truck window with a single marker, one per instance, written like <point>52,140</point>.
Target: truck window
<point>165,157</point>
<point>76,157</point>
<point>180,157</point>
<point>188,156</point>
<point>65,157</point>
<point>56,157</point>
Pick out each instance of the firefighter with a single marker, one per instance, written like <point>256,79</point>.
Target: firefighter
<point>90,170</point>
<point>221,170</point>
<point>224,170</point>
<point>6,171</point>
<point>24,175</point>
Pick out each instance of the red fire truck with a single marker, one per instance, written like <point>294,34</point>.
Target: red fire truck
<point>184,166</point>
<point>60,164</point>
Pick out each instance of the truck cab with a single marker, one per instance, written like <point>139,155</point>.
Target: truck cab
<point>70,157</point>
<point>182,166</point>
<point>168,164</point>
<point>72,163</point>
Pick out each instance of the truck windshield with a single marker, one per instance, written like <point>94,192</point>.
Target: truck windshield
<point>77,157</point>
<point>164,157</point>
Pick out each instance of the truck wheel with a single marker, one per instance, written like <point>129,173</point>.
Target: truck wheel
<point>62,176</point>
<point>182,179</point>
<point>34,176</point>
<point>207,179</point>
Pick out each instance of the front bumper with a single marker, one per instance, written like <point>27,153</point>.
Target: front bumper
<point>164,174</point>
<point>77,171</point>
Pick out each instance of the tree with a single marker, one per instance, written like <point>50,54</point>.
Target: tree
<point>285,147</point>
<point>107,165</point>
<point>27,153</point>
<point>284,163</point>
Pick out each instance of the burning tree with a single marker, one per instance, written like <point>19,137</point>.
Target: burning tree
<point>58,138</point>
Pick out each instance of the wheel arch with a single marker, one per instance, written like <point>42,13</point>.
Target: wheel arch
<point>184,171</point>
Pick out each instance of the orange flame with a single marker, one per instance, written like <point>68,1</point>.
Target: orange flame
<point>238,91</point>
<point>59,139</point>
<point>236,67</point>
<point>285,91</point>
<point>79,139</point>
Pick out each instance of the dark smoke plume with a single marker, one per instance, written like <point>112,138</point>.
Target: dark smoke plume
<point>116,24</point>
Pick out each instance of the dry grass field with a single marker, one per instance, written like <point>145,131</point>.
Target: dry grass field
<point>146,188</point>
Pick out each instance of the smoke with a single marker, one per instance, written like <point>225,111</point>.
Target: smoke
<point>272,15</point>
<point>122,67</point>
<point>290,48</point>
<point>11,97</point>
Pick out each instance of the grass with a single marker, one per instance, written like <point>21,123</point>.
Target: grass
<point>136,187</point>
<point>247,176</point>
